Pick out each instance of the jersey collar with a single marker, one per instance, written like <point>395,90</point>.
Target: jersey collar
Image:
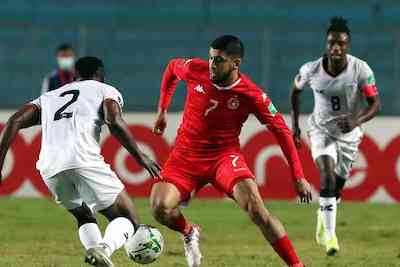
<point>229,86</point>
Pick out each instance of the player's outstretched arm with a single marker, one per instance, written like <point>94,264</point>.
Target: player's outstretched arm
<point>176,70</point>
<point>278,127</point>
<point>295,112</point>
<point>27,116</point>
<point>267,114</point>
<point>119,129</point>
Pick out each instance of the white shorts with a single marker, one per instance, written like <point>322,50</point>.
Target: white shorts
<point>97,187</point>
<point>343,153</point>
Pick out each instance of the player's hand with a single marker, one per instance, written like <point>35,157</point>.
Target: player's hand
<point>303,190</point>
<point>151,166</point>
<point>160,123</point>
<point>297,136</point>
<point>346,123</point>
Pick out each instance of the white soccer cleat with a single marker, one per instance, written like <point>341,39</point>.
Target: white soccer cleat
<point>97,257</point>
<point>191,244</point>
<point>320,231</point>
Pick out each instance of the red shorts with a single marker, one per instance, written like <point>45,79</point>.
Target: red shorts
<point>190,173</point>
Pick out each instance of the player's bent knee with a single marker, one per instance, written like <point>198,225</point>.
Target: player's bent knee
<point>164,199</point>
<point>160,209</point>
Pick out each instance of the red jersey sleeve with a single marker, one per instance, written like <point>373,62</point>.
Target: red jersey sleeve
<point>267,114</point>
<point>176,70</point>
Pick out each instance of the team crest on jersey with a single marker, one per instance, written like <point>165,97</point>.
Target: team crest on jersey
<point>233,103</point>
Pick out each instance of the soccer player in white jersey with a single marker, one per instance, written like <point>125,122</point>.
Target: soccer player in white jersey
<point>345,96</point>
<point>70,162</point>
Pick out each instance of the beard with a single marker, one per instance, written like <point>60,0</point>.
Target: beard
<point>222,78</point>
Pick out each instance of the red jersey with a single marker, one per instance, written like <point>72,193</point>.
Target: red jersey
<point>213,115</point>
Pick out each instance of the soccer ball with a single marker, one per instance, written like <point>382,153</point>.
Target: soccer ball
<point>146,245</point>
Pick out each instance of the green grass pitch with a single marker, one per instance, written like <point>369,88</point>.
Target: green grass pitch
<point>37,233</point>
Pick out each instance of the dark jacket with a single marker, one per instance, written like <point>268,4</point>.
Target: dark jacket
<point>56,79</point>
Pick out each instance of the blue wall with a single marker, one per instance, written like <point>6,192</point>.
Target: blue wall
<point>137,39</point>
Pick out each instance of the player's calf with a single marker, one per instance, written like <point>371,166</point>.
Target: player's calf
<point>122,207</point>
<point>340,182</point>
<point>171,217</point>
<point>259,215</point>
<point>248,197</point>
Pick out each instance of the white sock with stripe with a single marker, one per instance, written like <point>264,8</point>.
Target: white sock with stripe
<point>328,208</point>
<point>117,233</point>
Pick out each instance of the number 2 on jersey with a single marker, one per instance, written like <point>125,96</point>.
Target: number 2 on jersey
<point>335,101</point>
<point>60,114</point>
<point>214,105</point>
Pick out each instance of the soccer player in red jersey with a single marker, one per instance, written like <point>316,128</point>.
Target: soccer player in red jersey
<point>207,149</point>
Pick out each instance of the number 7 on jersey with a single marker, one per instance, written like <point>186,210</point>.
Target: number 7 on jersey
<point>214,105</point>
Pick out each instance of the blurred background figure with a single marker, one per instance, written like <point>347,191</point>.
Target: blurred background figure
<point>64,73</point>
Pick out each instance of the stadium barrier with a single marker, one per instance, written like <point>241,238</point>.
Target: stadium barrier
<point>375,176</point>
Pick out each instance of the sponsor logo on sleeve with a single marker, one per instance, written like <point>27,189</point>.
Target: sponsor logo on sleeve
<point>272,109</point>
<point>371,80</point>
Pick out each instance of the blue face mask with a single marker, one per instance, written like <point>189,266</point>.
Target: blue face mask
<point>66,63</point>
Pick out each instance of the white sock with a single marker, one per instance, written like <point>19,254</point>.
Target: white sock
<point>90,235</point>
<point>328,207</point>
<point>117,233</point>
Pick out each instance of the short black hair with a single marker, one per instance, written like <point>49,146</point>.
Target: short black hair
<point>338,24</point>
<point>230,44</point>
<point>86,67</point>
<point>63,47</point>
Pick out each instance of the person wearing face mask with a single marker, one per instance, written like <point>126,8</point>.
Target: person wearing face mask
<point>64,73</point>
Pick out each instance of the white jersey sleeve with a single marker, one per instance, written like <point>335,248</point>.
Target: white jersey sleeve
<point>303,77</point>
<point>110,92</point>
<point>45,85</point>
<point>36,102</point>
<point>366,80</point>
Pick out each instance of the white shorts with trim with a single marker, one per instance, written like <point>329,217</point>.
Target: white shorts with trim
<point>97,187</point>
<point>343,153</point>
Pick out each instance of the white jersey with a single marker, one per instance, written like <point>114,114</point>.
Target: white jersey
<point>335,96</point>
<point>71,123</point>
